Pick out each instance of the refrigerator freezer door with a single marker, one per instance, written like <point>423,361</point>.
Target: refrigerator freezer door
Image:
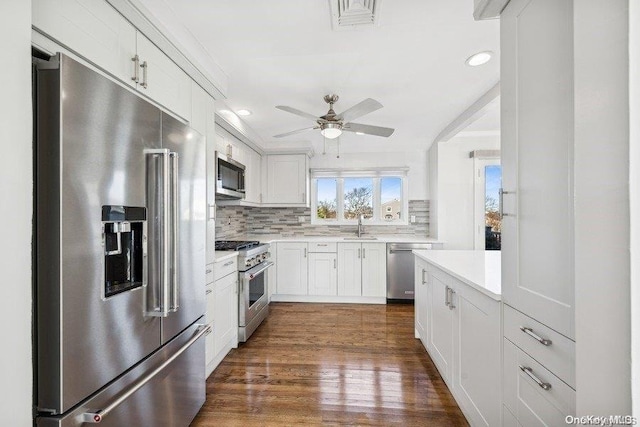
<point>91,137</point>
<point>171,396</point>
<point>190,216</point>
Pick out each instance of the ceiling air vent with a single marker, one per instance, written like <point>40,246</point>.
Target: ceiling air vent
<point>352,14</point>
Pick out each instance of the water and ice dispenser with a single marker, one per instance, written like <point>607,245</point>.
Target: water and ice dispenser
<point>124,239</point>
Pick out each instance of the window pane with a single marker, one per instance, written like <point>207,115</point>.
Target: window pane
<point>391,198</point>
<point>492,221</point>
<point>358,197</point>
<point>327,198</point>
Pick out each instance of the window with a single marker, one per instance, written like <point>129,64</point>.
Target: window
<point>488,221</point>
<point>341,197</point>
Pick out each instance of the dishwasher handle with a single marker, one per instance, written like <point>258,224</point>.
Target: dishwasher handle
<point>407,247</point>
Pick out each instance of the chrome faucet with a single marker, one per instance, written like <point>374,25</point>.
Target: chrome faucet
<point>360,226</point>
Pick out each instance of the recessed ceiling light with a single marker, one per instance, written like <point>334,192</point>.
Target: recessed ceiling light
<point>225,111</point>
<point>243,112</point>
<point>359,133</point>
<point>479,58</point>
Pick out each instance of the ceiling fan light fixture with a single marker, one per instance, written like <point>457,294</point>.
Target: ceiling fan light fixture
<point>331,130</point>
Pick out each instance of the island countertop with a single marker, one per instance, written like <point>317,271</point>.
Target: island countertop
<point>478,269</point>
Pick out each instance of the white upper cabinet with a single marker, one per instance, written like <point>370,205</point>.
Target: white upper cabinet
<point>253,177</point>
<point>287,180</point>
<point>96,31</point>
<point>93,29</point>
<point>162,80</point>
<point>537,158</point>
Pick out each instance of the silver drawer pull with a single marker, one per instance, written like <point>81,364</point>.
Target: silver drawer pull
<point>208,291</point>
<point>321,244</point>
<point>227,264</point>
<point>535,336</point>
<point>530,374</point>
<point>209,270</point>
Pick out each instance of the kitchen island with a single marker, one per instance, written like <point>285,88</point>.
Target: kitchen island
<point>458,318</point>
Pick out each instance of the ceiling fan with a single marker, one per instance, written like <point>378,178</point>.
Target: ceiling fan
<point>332,125</point>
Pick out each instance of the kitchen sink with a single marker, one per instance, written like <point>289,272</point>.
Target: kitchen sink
<point>360,238</point>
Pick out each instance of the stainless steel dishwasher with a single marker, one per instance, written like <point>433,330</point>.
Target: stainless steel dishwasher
<point>400,266</point>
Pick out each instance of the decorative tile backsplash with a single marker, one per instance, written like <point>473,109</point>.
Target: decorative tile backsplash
<point>233,222</point>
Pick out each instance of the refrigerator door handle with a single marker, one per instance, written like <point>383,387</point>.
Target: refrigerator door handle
<point>97,416</point>
<point>175,204</point>
<point>159,214</point>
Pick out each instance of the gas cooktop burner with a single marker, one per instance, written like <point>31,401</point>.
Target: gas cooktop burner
<point>235,245</point>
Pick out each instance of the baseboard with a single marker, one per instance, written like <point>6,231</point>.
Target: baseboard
<point>328,299</point>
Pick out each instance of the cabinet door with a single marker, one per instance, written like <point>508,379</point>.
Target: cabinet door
<point>374,269</point>
<point>420,304</point>
<point>323,276</point>
<point>537,128</point>
<point>91,28</point>
<point>165,82</point>
<point>292,268</point>
<point>440,324</point>
<point>287,179</point>
<point>221,141</point>
<point>476,355</point>
<point>253,176</point>
<point>350,269</point>
<point>225,313</point>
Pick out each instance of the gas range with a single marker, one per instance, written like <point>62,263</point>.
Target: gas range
<point>250,253</point>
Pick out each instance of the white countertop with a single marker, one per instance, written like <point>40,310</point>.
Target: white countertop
<point>271,238</point>
<point>478,269</point>
<point>224,255</point>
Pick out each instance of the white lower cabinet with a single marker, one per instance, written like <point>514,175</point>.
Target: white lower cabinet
<point>440,324</point>
<point>292,268</point>
<point>532,394</point>
<point>323,275</point>
<point>421,301</point>
<point>222,313</point>
<point>362,269</point>
<point>462,331</point>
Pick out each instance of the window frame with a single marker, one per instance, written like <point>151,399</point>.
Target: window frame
<point>479,165</point>
<point>376,175</point>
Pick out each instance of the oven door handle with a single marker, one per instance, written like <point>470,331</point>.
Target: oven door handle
<point>257,270</point>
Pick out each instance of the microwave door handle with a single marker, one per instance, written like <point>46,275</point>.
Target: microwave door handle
<point>174,223</point>
<point>158,206</point>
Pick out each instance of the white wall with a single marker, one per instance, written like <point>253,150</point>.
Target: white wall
<point>454,201</point>
<point>634,147</point>
<point>601,194</point>
<point>416,161</point>
<point>16,213</point>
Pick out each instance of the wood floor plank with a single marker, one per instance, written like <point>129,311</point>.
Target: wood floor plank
<point>330,365</point>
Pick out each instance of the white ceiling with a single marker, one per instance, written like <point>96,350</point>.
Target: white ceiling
<point>284,52</point>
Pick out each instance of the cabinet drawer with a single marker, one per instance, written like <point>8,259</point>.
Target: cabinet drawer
<point>210,303</point>
<point>323,247</point>
<point>558,356</point>
<point>528,401</point>
<point>209,273</point>
<point>224,268</point>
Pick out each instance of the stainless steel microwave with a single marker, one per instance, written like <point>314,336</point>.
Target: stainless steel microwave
<point>229,178</point>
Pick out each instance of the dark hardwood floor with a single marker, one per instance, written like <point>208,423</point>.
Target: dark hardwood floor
<point>330,364</point>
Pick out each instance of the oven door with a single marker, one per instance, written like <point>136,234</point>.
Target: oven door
<point>253,292</point>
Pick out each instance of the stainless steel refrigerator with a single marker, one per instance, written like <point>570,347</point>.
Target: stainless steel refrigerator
<point>120,213</point>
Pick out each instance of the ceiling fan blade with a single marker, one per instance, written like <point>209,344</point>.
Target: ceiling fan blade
<point>368,129</point>
<point>298,113</point>
<point>365,107</point>
<point>293,132</point>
